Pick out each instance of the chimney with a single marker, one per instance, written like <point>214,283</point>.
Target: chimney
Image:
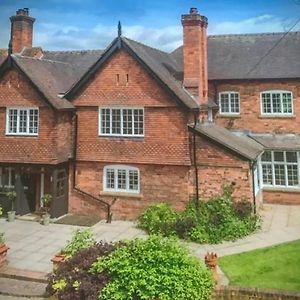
<point>21,31</point>
<point>195,54</point>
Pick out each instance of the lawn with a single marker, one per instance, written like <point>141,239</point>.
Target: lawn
<point>277,267</point>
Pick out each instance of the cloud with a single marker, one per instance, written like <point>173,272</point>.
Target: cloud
<point>55,36</point>
<point>262,23</point>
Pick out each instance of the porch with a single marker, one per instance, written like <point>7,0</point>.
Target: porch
<point>31,182</point>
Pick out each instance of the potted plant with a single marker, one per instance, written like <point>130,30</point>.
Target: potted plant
<point>46,203</point>
<point>3,247</point>
<point>11,195</point>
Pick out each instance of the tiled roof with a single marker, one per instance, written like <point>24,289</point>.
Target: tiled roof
<point>277,141</point>
<point>240,144</point>
<point>237,56</point>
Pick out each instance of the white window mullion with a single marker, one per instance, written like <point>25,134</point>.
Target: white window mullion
<point>273,169</point>
<point>121,120</point>
<point>18,121</point>
<point>110,120</point>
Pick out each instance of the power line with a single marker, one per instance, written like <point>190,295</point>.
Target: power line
<point>274,46</point>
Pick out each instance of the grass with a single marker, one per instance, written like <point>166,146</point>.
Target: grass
<point>79,220</point>
<point>276,267</point>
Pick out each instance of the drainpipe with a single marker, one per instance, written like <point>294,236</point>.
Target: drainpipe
<point>195,160</point>
<point>252,165</point>
<point>107,205</point>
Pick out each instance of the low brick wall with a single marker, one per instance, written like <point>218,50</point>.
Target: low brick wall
<point>238,293</point>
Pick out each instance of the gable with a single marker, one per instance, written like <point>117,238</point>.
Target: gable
<point>123,81</point>
<point>16,90</point>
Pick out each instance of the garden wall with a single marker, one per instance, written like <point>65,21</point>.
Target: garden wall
<point>238,293</point>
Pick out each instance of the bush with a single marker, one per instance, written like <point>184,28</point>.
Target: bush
<point>213,221</point>
<point>81,239</point>
<point>72,280</point>
<point>158,219</point>
<point>156,268</point>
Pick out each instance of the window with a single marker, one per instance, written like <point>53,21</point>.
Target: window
<point>121,121</point>
<point>121,179</point>
<point>22,121</point>
<point>229,103</point>
<point>7,177</point>
<point>280,168</point>
<point>277,103</point>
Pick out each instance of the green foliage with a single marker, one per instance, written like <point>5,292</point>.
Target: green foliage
<point>11,195</point>
<point>158,219</point>
<point>72,279</point>
<point>213,221</point>
<point>156,268</point>
<point>82,239</point>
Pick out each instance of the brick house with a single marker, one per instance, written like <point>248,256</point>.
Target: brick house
<point>112,131</point>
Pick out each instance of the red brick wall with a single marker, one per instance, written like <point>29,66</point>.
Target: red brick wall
<point>217,166</point>
<point>16,91</point>
<point>165,136</point>
<point>21,34</point>
<point>158,184</point>
<point>281,197</point>
<point>250,116</point>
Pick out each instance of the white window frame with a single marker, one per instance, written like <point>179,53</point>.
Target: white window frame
<point>125,168</point>
<point>272,113</point>
<point>10,185</point>
<point>27,109</point>
<point>121,134</point>
<point>285,164</point>
<point>229,93</point>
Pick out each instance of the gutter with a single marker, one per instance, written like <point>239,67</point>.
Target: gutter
<point>75,188</point>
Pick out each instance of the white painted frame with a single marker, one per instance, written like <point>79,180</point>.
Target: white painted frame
<point>100,133</point>
<point>116,168</point>
<point>18,121</point>
<point>281,103</point>
<point>229,93</point>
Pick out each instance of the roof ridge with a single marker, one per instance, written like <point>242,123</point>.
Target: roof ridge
<point>73,51</point>
<point>42,60</point>
<point>156,49</point>
<point>254,34</point>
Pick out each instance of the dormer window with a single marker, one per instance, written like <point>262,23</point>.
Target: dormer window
<point>229,103</point>
<point>276,103</point>
<point>22,121</point>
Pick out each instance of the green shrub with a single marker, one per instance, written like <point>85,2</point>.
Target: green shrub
<point>156,268</point>
<point>81,239</point>
<point>158,219</point>
<point>213,221</point>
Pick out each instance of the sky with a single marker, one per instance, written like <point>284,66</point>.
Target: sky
<point>92,24</point>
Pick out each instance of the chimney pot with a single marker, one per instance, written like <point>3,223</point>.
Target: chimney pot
<point>193,11</point>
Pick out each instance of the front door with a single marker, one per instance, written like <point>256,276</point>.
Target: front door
<point>27,193</point>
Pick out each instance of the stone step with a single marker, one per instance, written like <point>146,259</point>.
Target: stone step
<point>22,288</point>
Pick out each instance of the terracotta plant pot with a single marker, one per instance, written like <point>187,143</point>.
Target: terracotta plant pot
<point>57,259</point>
<point>3,254</point>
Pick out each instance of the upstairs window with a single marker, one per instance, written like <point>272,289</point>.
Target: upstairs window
<point>22,121</point>
<point>280,168</point>
<point>121,121</point>
<point>277,103</point>
<point>229,103</point>
<point>121,179</point>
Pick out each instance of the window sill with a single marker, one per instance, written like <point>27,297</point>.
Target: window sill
<point>114,137</point>
<point>281,189</point>
<point>232,116</point>
<point>121,194</point>
<point>20,135</point>
<point>277,117</point>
